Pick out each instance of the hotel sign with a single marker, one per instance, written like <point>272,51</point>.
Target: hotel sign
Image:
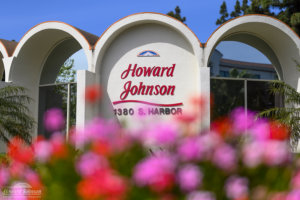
<point>148,84</point>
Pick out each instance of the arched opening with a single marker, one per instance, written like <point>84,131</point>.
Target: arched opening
<point>58,84</point>
<point>37,61</point>
<point>241,76</point>
<point>275,40</point>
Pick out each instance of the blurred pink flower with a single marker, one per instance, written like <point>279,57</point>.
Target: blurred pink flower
<point>4,176</point>
<point>293,195</point>
<point>97,129</point>
<point>162,134</point>
<point>276,152</point>
<point>42,150</point>
<point>201,195</point>
<point>89,163</point>
<point>225,157</point>
<point>189,177</point>
<point>155,171</point>
<point>32,178</point>
<point>242,119</point>
<point>253,153</point>
<point>54,119</point>
<point>296,180</point>
<point>236,187</point>
<point>18,191</point>
<point>190,149</point>
<point>260,130</point>
<point>209,141</point>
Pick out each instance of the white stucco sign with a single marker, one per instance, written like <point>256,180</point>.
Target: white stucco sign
<point>152,82</point>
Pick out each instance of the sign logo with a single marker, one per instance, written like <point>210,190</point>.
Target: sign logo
<point>148,53</point>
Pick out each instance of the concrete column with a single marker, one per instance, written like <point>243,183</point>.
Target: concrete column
<point>205,92</point>
<point>84,112</point>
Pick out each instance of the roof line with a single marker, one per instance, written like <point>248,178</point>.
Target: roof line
<point>147,13</point>
<point>91,46</point>
<point>246,16</point>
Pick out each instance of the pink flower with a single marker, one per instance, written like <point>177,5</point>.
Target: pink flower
<point>296,180</point>
<point>89,163</point>
<point>190,149</point>
<point>276,152</point>
<point>209,141</point>
<point>32,178</point>
<point>225,157</point>
<point>260,130</point>
<point>242,120</point>
<point>162,134</point>
<point>293,195</point>
<point>4,176</point>
<point>201,195</point>
<point>155,171</point>
<point>42,150</point>
<point>95,130</point>
<point>54,119</point>
<point>253,153</point>
<point>18,191</point>
<point>236,187</point>
<point>189,177</point>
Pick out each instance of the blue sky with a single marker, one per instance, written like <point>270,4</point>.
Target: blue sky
<point>94,16</point>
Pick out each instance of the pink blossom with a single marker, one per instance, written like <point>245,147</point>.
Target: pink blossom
<point>96,129</point>
<point>242,120</point>
<point>276,152</point>
<point>153,170</point>
<point>236,187</point>
<point>225,157</point>
<point>89,163</point>
<point>190,149</point>
<point>32,177</point>
<point>293,195</point>
<point>260,130</point>
<point>201,195</point>
<point>189,177</point>
<point>42,150</point>
<point>4,176</point>
<point>209,141</point>
<point>162,134</point>
<point>54,119</point>
<point>296,180</point>
<point>253,153</point>
<point>18,191</point>
<point>57,139</point>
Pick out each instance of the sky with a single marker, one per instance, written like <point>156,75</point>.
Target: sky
<point>95,16</point>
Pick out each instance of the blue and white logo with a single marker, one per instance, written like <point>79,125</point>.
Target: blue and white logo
<point>148,53</point>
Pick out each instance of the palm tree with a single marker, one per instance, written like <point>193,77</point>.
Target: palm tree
<point>14,114</point>
<point>290,113</point>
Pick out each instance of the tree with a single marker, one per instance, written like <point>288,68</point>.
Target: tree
<point>287,11</point>
<point>245,7</point>
<point>237,10</point>
<point>15,120</point>
<point>177,14</point>
<point>290,113</point>
<point>224,14</point>
<point>67,75</point>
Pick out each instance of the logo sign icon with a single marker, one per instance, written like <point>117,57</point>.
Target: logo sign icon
<point>148,53</point>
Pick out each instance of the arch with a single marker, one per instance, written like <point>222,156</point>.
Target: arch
<point>144,18</point>
<point>126,38</point>
<point>6,50</point>
<point>277,41</point>
<point>44,37</point>
<point>42,51</point>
